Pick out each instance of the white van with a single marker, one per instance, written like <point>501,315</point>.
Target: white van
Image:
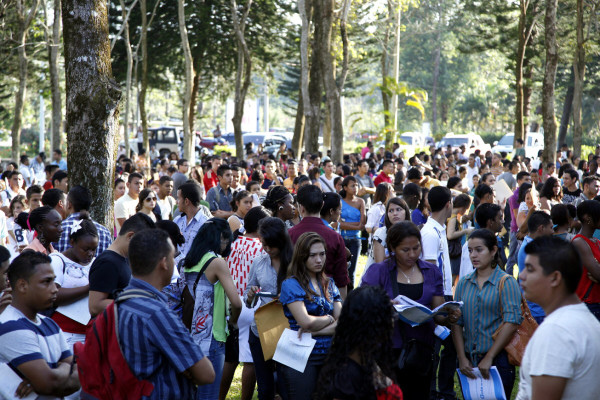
<point>535,142</point>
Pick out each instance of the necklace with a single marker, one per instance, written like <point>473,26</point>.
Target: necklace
<point>406,276</point>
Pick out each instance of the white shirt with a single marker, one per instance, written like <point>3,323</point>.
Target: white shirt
<point>471,172</point>
<point>435,247</point>
<point>125,208</point>
<point>8,194</point>
<point>327,184</point>
<point>27,175</point>
<point>466,266</point>
<point>566,345</point>
<point>166,206</point>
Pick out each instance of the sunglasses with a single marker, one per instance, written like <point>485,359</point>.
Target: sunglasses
<point>150,199</point>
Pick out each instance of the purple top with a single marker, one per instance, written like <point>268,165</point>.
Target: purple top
<point>379,275</point>
<point>513,203</point>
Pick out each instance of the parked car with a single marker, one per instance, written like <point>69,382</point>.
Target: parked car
<point>471,141</point>
<point>412,139</point>
<point>211,142</point>
<point>534,143</point>
<point>166,139</point>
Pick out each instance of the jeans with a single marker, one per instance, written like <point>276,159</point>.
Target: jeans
<point>301,385</point>
<point>265,381</point>
<point>594,309</point>
<point>505,369</point>
<point>513,251</point>
<point>216,355</point>
<point>354,246</point>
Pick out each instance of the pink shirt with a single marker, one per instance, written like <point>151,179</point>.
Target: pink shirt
<point>36,245</point>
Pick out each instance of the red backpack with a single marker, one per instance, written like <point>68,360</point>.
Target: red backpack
<point>103,371</point>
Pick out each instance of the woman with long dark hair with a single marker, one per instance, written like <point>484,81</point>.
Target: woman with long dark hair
<point>311,303</point>
<point>146,204</point>
<point>240,205</point>
<point>550,194</point>
<point>359,364</point>
<point>352,220</point>
<point>207,277</point>
<point>266,276</point>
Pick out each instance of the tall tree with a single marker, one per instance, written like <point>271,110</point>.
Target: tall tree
<point>92,103</point>
<point>144,78</point>
<point>189,149</point>
<point>549,155</point>
<point>126,12</point>
<point>53,43</point>
<point>24,19</point>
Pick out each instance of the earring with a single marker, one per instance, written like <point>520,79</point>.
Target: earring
<point>41,237</point>
<point>280,208</point>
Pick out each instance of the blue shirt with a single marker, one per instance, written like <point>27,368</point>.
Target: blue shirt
<point>350,214</point>
<point>417,217</point>
<point>535,309</point>
<point>291,291</point>
<point>156,344</point>
<point>62,164</point>
<point>104,236</point>
<point>220,202</point>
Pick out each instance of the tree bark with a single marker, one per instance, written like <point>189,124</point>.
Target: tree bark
<point>306,89</point>
<point>24,22</point>
<point>195,90</point>
<point>125,33</point>
<point>391,134</point>
<point>53,52</point>
<point>549,155</point>
<point>385,60</point>
<point>566,113</point>
<point>527,92</point>
<point>243,73</point>
<point>437,54</point>
<point>579,75</point>
<point>298,138</point>
<point>144,83</point>
<point>92,103</point>
<point>189,150</point>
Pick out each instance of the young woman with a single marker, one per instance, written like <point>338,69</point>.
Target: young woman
<point>484,310</point>
<point>331,210</point>
<point>72,270</point>
<point>280,202</point>
<point>352,220</point>
<point>146,204</point>
<point>528,203</point>
<point>311,303</point>
<point>562,220</point>
<point>18,238</point>
<point>266,276</point>
<point>240,205</point>
<point>404,273</point>
<point>207,277</point>
<point>550,194</point>
<point>455,233</point>
<point>120,188</point>
<point>314,174</point>
<point>376,214</point>
<point>47,224</point>
<point>396,211</point>
<point>359,366</point>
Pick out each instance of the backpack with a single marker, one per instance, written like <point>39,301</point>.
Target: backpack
<point>103,371</point>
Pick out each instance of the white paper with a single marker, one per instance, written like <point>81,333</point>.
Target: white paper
<point>10,383</point>
<point>293,351</point>
<point>502,191</point>
<point>414,313</point>
<point>78,311</point>
<point>482,389</point>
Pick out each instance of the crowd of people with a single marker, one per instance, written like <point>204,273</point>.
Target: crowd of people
<point>195,250</point>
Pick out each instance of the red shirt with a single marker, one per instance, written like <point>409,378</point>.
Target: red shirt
<point>335,261</point>
<point>587,291</point>
<point>210,180</point>
<point>382,177</point>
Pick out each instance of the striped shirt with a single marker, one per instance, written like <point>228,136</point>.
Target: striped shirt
<point>482,312</point>
<point>156,344</point>
<point>104,236</point>
<point>190,229</point>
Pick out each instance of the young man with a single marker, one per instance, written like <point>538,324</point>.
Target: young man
<point>292,173</point>
<point>539,225</point>
<point>155,343</point>
<point>271,177</point>
<point>125,206</point>
<point>513,205</point>
<point>508,176</point>
<point>80,199</point>
<point>488,179</point>
<point>110,271</point>
<point>25,169</point>
<point>210,177</point>
<point>166,202</point>
<point>58,160</point>
<point>56,199</point>
<point>496,168</point>
<point>37,167</point>
<point>434,244</point>
<point>193,215</point>
<point>561,360</point>
<point>472,170</point>
<point>327,179</point>
<point>33,197</point>
<point>236,177</point>
<point>181,176</point>
<point>571,191</point>
<point>30,343</point>
<point>15,188</point>
<point>310,200</point>
<point>590,189</point>
<point>49,170</point>
<point>219,197</point>
<point>60,180</point>
<point>387,171</point>
<point>366,186</point>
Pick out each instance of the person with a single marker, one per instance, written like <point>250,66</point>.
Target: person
<point>326,180</point>
<point>412,194</point>
<point>60,180</point>
<point>58,160</point>
<point>126,205</point>
<point>14,188</point>
<point>219,197</point>
<point>5,289</point>
<point>485,309</point>
<point>181,176</point>
<point>17,238</point>
<point>110,271</point>
<point>165,200</point>
<point>266,276</point>
<point>366,186</point>
<point>359,366</point>
<point>79,200</point>
<point>561,358</point>
<point>37,167</point>
<point>292,173</point>
<point>244,250</point>
<point>154,342</point>
<point>528,203</point>
<point>30,343</point>
<point>240,204</point>
<point>119,188</point>
<point>513,206</point>
<point>589,189</point>
<point>46,222</point>
<point>396,210</point>
<point>207,277</point>
<point>508,176</point>
<point>271,177</point>
<point>193,215</point>
<point>387,171</point>
<point>404,273</point>
<point>571,190</point>
<point>312,303</point>
<point>72,269</point>
<point>25,170</point>
<point>310,203</point>
<point>33,197</point>
<point>352,221</point>
<point>456,234</point>
<point>147,204</point>
<point>588,212</point>
<point>538,225</point>
<point>56,199</point>
<point>49,170</point>
<point>550,194</point>
<point>562,217</point>
<point>280,203</point>
<point>210,178</point>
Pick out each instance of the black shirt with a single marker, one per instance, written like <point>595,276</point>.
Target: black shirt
<point>109,272</point>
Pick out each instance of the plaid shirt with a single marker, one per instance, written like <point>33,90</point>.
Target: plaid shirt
<point>104,237</point>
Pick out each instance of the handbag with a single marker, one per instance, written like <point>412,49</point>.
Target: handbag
<point>516,347</point>
<point>455,246</point>
<point>416,358</point>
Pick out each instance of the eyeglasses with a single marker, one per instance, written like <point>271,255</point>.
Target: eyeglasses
<point>150,199</point>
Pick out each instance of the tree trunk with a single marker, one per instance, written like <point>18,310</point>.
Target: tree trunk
<point>189,150</point>
<point>243,74</point>
<point>436,73</point>
<point>384,61</point>
<point>144,83</point>
<point>194,98</point>
<point>298,139</point>
<point>24,21</point>
<point>125,34</point>
<point>391,134</point>
<point>527,91</point>
<point>54,79</point>
<point>549,154</point>
<point>566,113</point>
<point>315,86</point>
<point>310,117</point>
<point>579,74</point>
<point>522,42</point>
<point>92,103</point>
